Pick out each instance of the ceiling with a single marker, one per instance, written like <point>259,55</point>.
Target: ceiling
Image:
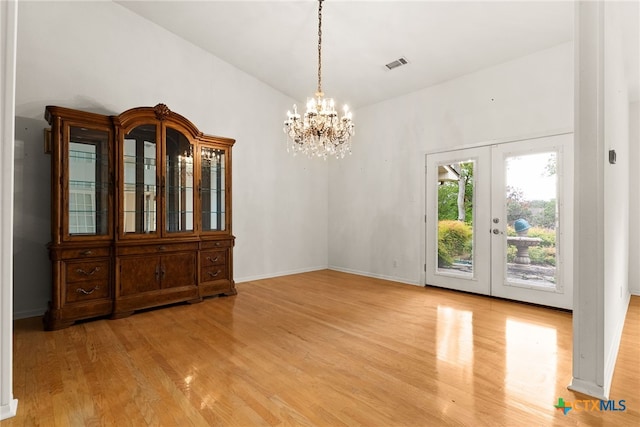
<point>276,41</point>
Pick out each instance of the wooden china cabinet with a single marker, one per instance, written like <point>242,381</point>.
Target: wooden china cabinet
<point>141,213</point>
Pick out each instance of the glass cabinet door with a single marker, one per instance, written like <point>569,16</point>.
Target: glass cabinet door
<point>178,192</point>
<point>212,189</point>
<point>139,198</point>
<point>88,185</point>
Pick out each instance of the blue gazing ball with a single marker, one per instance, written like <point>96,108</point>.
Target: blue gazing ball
<point>521,225</point>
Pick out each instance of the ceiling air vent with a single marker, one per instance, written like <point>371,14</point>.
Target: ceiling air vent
<point>397,63</point>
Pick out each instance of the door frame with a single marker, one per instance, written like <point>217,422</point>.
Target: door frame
<point>425,183</point>
<point>562,295</point>
<point>479,280</point>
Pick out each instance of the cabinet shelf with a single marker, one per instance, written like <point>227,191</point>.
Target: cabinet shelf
<point>132,187</point>
<point>86,156</point>
<point>146,161</point>
<point>178,188</point>
<point>88,185</point>
<point>92,211</point>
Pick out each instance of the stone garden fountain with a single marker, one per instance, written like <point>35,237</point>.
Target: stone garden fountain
<point>522,242</point>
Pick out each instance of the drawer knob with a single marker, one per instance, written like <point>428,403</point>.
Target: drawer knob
<point>212,259</point>
<point>161,248</point>
<point>218,243</point>
<point>82,291</point>
<point>214,274</point>
<point>90,273</point>
<point>85,253</point>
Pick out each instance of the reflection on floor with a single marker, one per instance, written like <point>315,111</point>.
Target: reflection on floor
<point>320,349</point>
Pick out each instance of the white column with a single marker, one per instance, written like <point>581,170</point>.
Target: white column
<point>8,36</point>
<point>588,313</point>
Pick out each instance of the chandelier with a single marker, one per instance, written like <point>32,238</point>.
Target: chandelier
<point>320,133</point>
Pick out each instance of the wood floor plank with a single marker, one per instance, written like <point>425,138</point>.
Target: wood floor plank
<point>320,349</point>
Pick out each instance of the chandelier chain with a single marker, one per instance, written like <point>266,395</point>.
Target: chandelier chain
<point>320,47</point>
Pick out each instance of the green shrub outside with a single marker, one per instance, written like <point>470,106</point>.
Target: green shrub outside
<point>454,241</point>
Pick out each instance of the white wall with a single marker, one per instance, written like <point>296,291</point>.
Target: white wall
<point>616,184</point>
<point>8,37</point>
<point>634,198</point>
<point>100,57</point>
<point>32,221</point>
<point>376,201</point>
<point>601,242</point>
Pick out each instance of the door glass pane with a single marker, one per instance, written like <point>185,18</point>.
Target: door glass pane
<point>531,183</point>
<point>88,173</point>
<point>456,187</point>
<point>140,196</point>
<point>213,189</point>
<point>179,182</point>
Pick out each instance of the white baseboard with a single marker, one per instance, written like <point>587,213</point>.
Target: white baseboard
<point>588,388</point>
<point>279,273</point>
<point>602,391</point>
<point>612,355</point>
<point>10,410</point>
<point>376,276</point>
<point>635,292</point>
<point>28,313</point>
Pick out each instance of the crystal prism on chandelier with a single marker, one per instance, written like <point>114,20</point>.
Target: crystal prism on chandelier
<point>320,132</point>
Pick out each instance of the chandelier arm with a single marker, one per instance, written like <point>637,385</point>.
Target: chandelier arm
<point>320,132</point>
<point>320,46</point>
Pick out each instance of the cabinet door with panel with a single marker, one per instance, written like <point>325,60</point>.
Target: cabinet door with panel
<point>138,274</point>
<point>139,176</point>
<point>178,193</point>
<point>178,270</point>
<point>156,174</point>
<point>214,195</point>
<point>152,280</point>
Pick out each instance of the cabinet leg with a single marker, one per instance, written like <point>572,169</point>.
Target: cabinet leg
<point>56,324</point>
<point>52,321</point>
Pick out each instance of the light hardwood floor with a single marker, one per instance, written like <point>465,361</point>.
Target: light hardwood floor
<point>322,348</point>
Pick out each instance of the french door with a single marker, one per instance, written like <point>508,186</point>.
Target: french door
<point>499,220</point>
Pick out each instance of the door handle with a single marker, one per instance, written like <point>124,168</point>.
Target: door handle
<point>496,231</point>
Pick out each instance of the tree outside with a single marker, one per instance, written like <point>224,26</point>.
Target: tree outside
<point>455,218</point>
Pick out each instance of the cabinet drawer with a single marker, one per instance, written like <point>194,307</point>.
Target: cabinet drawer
<point>210,258</point>
<point>216,272</point>
<point>85,291</point>
<point>94,270</point>
<point>212,244</point>
<point>84,253</point>
<point>156,249</point>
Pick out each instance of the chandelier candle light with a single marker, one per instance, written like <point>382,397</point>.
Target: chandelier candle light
<point>320,133</point>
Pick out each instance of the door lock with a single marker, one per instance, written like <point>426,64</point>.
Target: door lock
<point>496,220</point>
<point>496,231</point>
